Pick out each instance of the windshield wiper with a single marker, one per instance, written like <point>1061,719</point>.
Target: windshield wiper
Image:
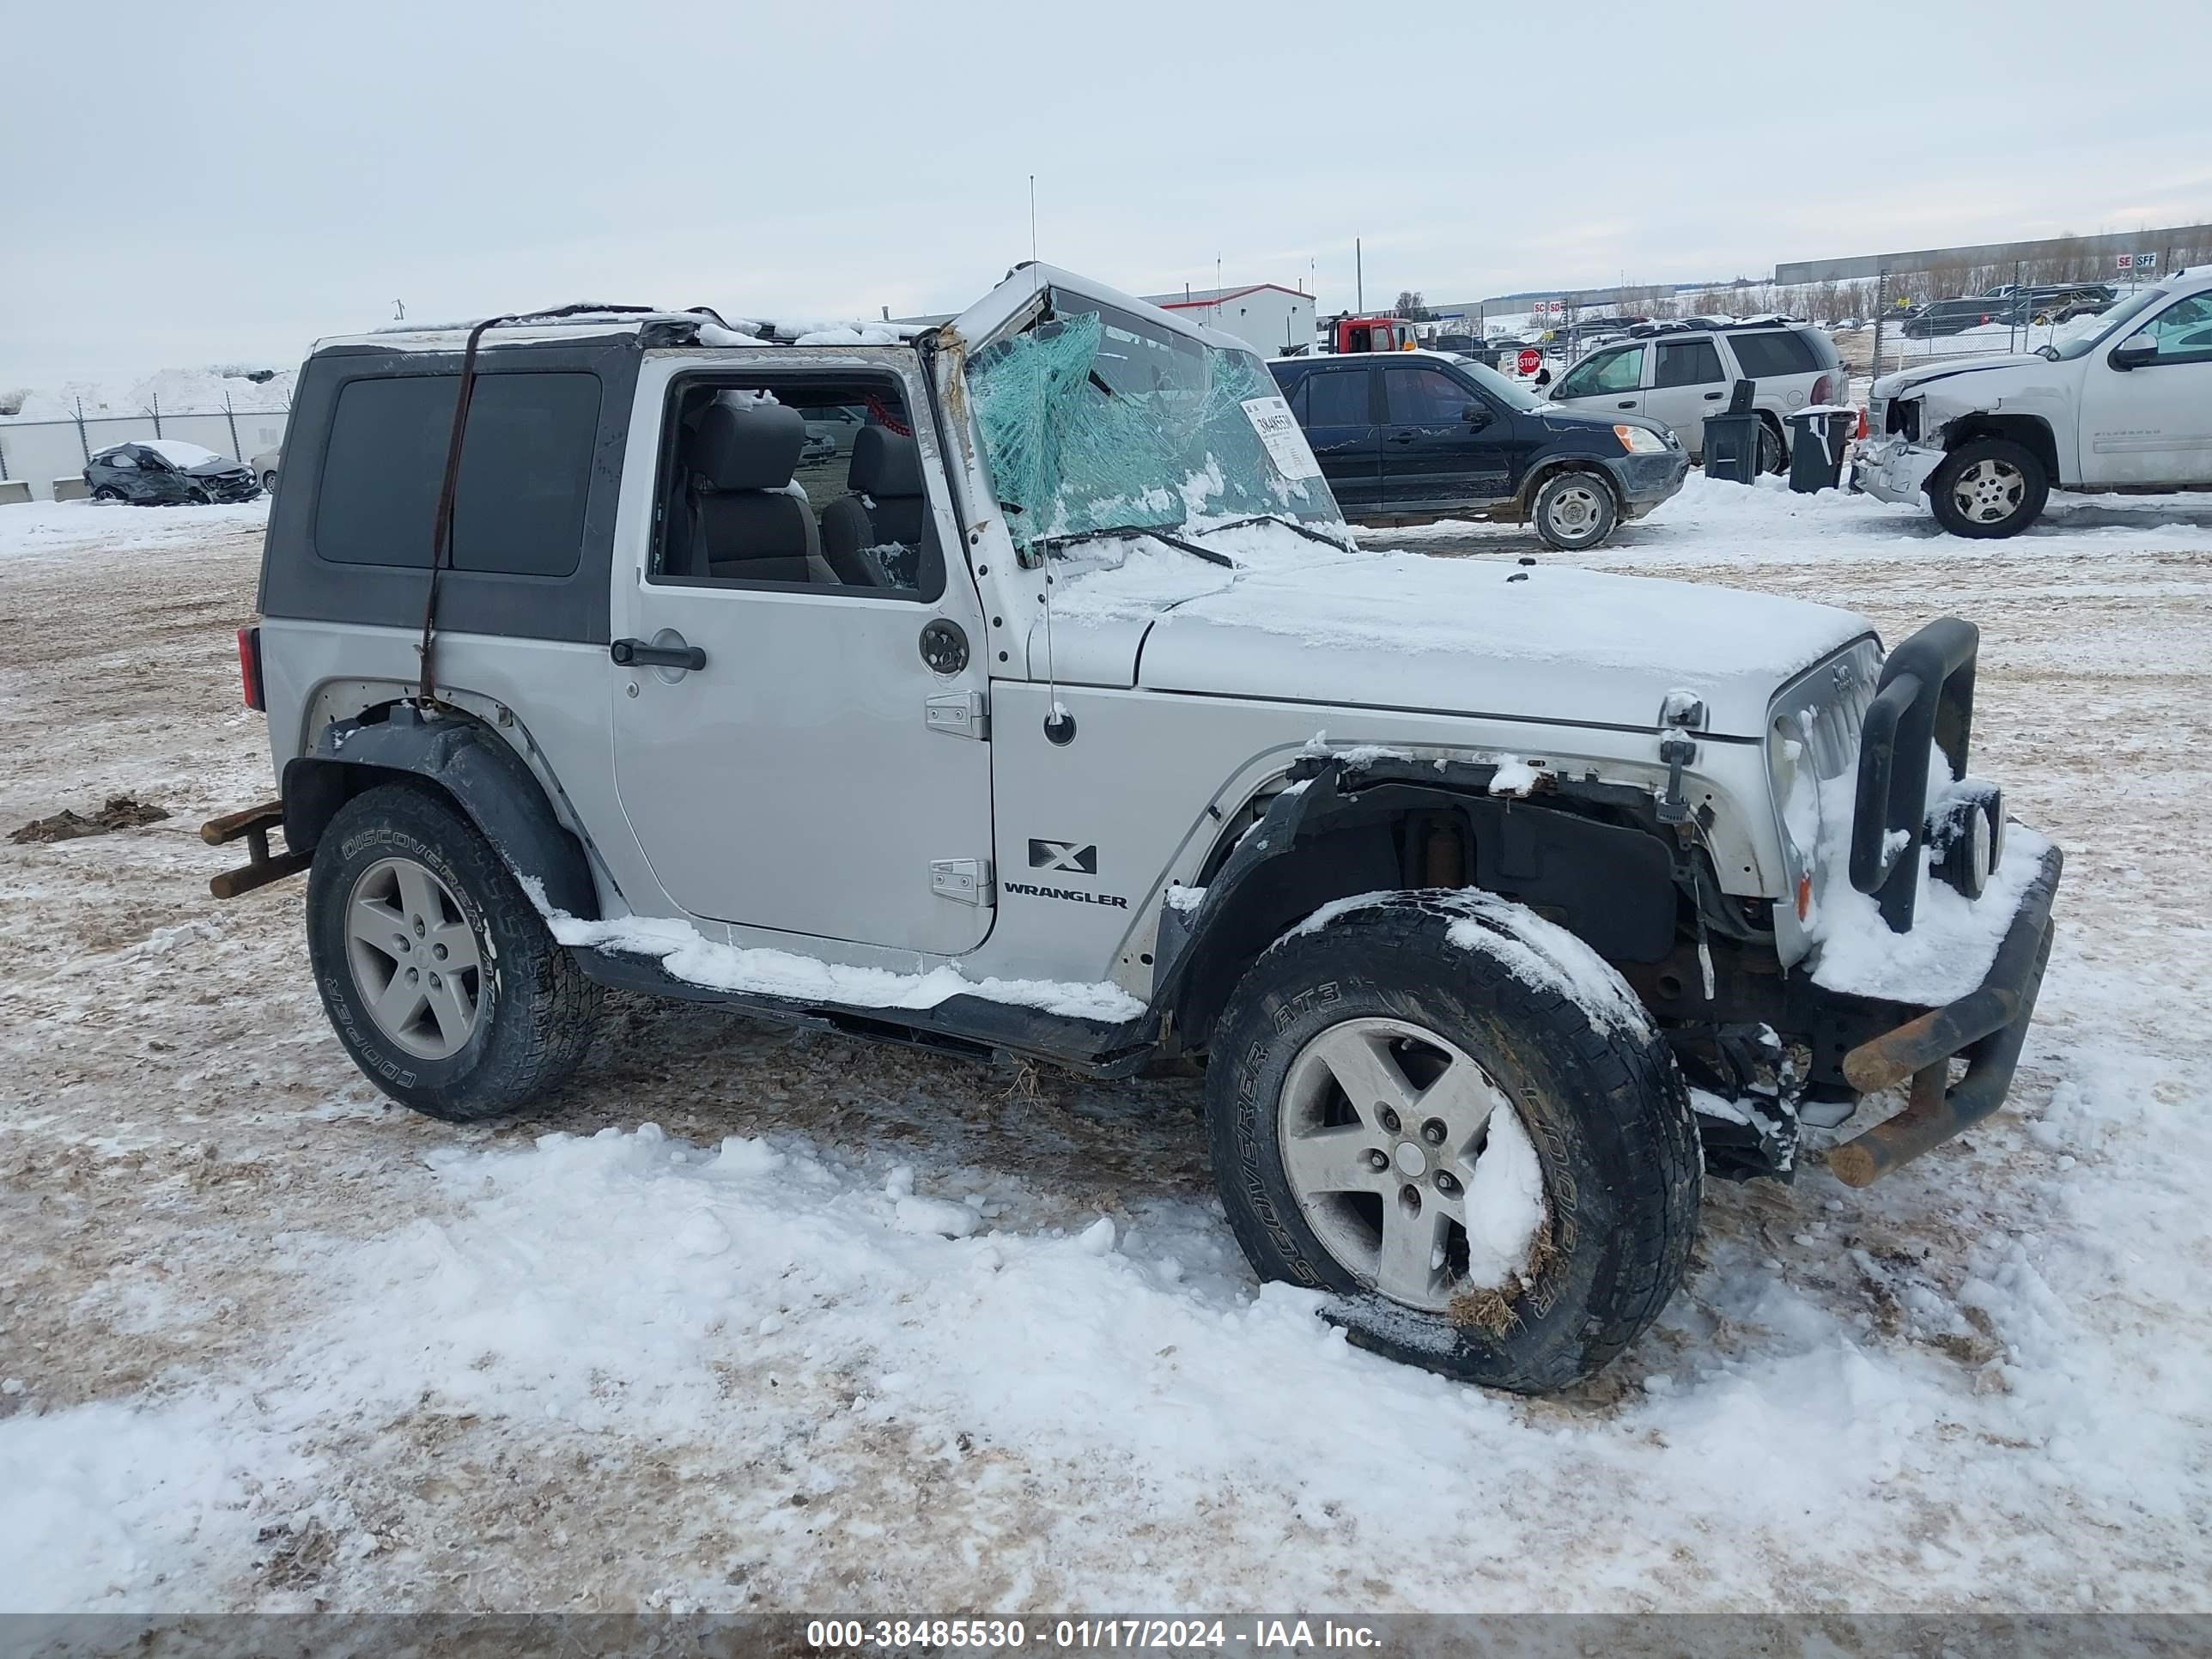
<point>1288,523</point>
<point>1129,532</point>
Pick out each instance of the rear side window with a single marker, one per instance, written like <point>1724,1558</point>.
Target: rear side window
<point>1780,351</point>
<point>1339,397</point>
<point>525,471</point>
<point>1422,396</point>
<point>1691,362</point>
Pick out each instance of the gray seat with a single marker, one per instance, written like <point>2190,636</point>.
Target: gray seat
<point>743,518</point>
<point>886,509</point>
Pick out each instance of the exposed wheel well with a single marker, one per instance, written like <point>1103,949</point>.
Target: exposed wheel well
<point>1594,871</point>
<point>2030,433</point>
<point>1546,471</point>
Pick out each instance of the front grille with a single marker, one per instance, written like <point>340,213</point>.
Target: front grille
<point>1822,711</point>
<point>1832,733</point>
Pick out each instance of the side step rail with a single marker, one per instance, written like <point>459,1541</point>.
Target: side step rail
<point>253,824</point>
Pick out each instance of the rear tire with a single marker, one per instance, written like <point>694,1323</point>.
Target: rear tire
<point>1428,1002</point>
<point>438,973</point>
<point>269,483</point>
<point>108,493</point>
<point>1774,453</point>
<point>1575,510</point>
<point>1988,487</point>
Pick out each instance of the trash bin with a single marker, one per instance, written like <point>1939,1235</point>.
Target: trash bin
<point>1818,436</point>
<point>1732,439</point>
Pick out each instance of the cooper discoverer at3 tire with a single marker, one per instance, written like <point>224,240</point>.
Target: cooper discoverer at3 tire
<point>1452,1117</point>
<point>438,973</point>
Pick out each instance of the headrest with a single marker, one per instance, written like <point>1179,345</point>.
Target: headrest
<point>746,445</point>
<point>884,464</point>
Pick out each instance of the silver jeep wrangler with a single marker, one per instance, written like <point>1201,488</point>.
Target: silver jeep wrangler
<point>1057,715</point>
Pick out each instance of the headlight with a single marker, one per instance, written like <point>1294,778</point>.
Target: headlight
<point>1640,440</point>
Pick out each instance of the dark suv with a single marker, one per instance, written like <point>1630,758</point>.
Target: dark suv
<point>2020,307</point>
<point>1407,436</point>
<point>167,472</point>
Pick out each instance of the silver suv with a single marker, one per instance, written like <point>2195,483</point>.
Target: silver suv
<point>1677,373</point>
<point>1062,718</point>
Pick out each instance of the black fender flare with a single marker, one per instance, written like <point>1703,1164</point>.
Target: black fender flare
<point>486,779</point>
<point>1200,952</point>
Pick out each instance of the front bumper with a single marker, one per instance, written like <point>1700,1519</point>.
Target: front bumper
<point>1894,470</point>
<point>1643,482</point>
<point>1985,1028</point>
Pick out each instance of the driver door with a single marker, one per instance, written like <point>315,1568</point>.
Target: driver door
<point>2152,424</point>
<point>817,768</point>
<point>1607,379</point>
<point>1443,447</point>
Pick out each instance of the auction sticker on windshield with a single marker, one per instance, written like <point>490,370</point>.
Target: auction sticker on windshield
<point>1278,430</point>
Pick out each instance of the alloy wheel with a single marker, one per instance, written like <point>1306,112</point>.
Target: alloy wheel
<point>414,957</point>
<point>1408,1162</point>
<point>1988,492</point>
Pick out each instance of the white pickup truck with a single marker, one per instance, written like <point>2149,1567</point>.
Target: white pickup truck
<point>2124,405</point>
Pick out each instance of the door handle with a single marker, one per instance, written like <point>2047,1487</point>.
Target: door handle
<point>1403,437</point>
<point>1712,396</point>
<point>1626,403</point>
<point>644,654</point>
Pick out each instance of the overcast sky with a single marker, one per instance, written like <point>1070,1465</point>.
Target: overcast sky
<point>215,182</point>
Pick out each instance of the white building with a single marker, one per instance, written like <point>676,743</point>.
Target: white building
<point>1264,315</point>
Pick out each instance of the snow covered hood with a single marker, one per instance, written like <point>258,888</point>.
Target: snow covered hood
<point>1892,385</point>
<point>1473,636</point>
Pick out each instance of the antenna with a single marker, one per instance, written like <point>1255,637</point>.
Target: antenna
<point>1033,253</point>
<point>1059,724</point>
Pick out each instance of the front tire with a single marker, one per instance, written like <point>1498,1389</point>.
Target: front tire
<point>1454,1119</point>
<point>269,484</point>
<point>438,973</point>
<point>1989,487</point>
<point>1575,510</point>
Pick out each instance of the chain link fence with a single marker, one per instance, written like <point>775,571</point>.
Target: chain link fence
<point>1923,315</point>
<point>45,453</point>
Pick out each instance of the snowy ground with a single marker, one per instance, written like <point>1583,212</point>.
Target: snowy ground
<point>692,1336</point>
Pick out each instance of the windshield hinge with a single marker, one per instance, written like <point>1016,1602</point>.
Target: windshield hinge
<point>1682,711</point>
<point>958,714</point>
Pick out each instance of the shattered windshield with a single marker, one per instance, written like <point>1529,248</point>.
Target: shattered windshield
<point>1094,419</point>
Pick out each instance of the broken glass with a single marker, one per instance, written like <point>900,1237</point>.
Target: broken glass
<point>1096,419</point>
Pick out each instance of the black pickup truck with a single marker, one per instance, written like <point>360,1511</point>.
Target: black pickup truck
<point>1405,437</point>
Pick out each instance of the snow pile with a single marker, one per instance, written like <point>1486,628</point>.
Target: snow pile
<point>50,529</point>
<point>1545,957</point>
<point>1505,1204</point>
<point>178,454</point>
<point>684,951</point>
<point>1953,939</point>
<point>177,391</point>
<point>1541,954</point>
<point>851,334</point>
<point>1515,776</point>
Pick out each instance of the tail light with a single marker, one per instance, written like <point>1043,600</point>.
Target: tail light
<point>249,668</point>
<point>1861,434</point>
<point>1820,389</point>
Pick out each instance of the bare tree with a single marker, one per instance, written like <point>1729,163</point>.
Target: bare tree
<point>1411,306</point>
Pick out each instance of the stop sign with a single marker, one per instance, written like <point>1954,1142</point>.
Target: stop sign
<point>1530,359</point>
